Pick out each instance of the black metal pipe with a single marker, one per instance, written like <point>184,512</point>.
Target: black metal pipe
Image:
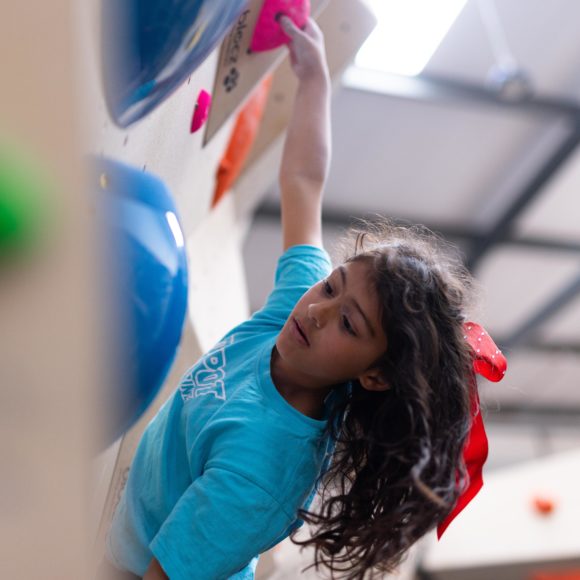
<point>503,227</point>
<point>447,91</point>
<point>559,301</point>
<point>343,219</point>
<point>534,415</point>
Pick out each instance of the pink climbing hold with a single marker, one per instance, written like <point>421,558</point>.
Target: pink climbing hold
<point>268,33</point>
<point>201,111</point>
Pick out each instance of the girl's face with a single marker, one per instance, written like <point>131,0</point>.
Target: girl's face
<point>334,332</point>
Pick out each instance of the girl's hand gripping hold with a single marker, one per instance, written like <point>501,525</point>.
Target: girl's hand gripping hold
<point>307,53</point>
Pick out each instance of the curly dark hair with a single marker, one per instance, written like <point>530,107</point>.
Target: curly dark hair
<point>397,468</point>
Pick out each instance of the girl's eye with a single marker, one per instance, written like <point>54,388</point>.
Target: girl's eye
<point>327,288</point>
<point>347,326</point>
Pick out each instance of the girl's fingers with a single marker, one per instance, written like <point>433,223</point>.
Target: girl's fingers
<point>311,28</point>
<point>288,26</point>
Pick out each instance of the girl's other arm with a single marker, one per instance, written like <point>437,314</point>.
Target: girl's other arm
<point>307,151</point>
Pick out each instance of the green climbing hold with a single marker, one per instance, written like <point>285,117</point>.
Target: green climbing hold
<point>22,195</point>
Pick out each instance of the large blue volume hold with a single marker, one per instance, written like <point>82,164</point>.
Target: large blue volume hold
<point>151,47</point>
<point>145,269</point>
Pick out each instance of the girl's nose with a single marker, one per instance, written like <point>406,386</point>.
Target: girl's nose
<point>313,315</point>
<point>318,313</point>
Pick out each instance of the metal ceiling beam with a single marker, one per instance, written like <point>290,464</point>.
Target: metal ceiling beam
<point>540,243</point>
<point>559,301</point>
<point>534,415</point>
<point>343,219</point>
<point>553,347</point>
<point>435,89</point>
<point>504,225</point>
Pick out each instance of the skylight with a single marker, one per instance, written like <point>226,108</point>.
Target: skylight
<point>407,34</point>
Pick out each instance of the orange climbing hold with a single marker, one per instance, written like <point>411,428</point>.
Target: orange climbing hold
<point>242,139</point>
<point>544,505</point>
<point>572,574</point>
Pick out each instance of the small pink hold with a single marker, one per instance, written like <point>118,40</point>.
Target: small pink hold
<point>268,33</point>
<point>201,111</point>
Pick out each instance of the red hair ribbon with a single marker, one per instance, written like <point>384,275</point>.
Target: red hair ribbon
<point>490,363</point>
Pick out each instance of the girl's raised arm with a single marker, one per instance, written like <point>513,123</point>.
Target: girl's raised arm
<point>307,151</point>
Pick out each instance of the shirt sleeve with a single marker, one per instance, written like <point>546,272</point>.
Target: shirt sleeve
<point>219,524</point>
<point>299,268</point>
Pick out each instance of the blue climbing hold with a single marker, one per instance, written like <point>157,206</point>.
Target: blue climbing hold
<point>152,46</point>
<point>145,269</point>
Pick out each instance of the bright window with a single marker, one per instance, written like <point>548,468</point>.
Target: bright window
<point>407,34</point>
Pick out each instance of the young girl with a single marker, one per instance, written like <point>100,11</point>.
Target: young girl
<point>357,378</point>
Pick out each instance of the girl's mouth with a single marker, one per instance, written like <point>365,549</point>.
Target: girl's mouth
<point>301,335</point>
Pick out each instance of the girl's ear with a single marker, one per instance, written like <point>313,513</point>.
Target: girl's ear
<point>373,380</point>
